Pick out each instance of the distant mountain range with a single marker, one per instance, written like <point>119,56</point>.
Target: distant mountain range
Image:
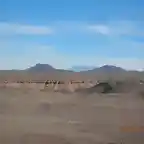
<point>44,68</point>
<point>48,68</point>
<point>41,67</point>
<point>109,68</point>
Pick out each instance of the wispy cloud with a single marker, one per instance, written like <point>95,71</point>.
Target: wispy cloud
<point>119,28</point>
<point>110,28</point>
<point>101,29</point>
<point>20,29</point>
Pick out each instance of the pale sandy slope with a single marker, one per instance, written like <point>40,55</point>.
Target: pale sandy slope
<point>33,117</point>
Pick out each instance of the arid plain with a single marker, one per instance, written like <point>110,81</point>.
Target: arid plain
<point>33,115</point>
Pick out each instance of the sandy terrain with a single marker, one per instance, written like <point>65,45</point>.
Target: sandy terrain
<point>41,117</point>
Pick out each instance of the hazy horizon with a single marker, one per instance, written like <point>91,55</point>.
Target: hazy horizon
<point>77,68</point>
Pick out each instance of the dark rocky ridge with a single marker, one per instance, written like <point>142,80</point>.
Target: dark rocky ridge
<point>47,67</point>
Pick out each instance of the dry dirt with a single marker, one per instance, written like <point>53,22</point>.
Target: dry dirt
<point>41,117</point>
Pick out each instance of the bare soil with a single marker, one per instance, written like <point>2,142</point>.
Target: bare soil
<point>45,117</point>
<point>30,114</point>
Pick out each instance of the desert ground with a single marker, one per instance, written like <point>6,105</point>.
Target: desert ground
<point>36,116</point>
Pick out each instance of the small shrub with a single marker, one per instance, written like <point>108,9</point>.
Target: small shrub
<point>141,93</point>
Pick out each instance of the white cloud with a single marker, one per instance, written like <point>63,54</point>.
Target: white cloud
<point>34,30</point>
<point>20,29</point>
<point>118,28</point>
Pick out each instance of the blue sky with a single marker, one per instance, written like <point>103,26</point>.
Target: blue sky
<point>65,33</point>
